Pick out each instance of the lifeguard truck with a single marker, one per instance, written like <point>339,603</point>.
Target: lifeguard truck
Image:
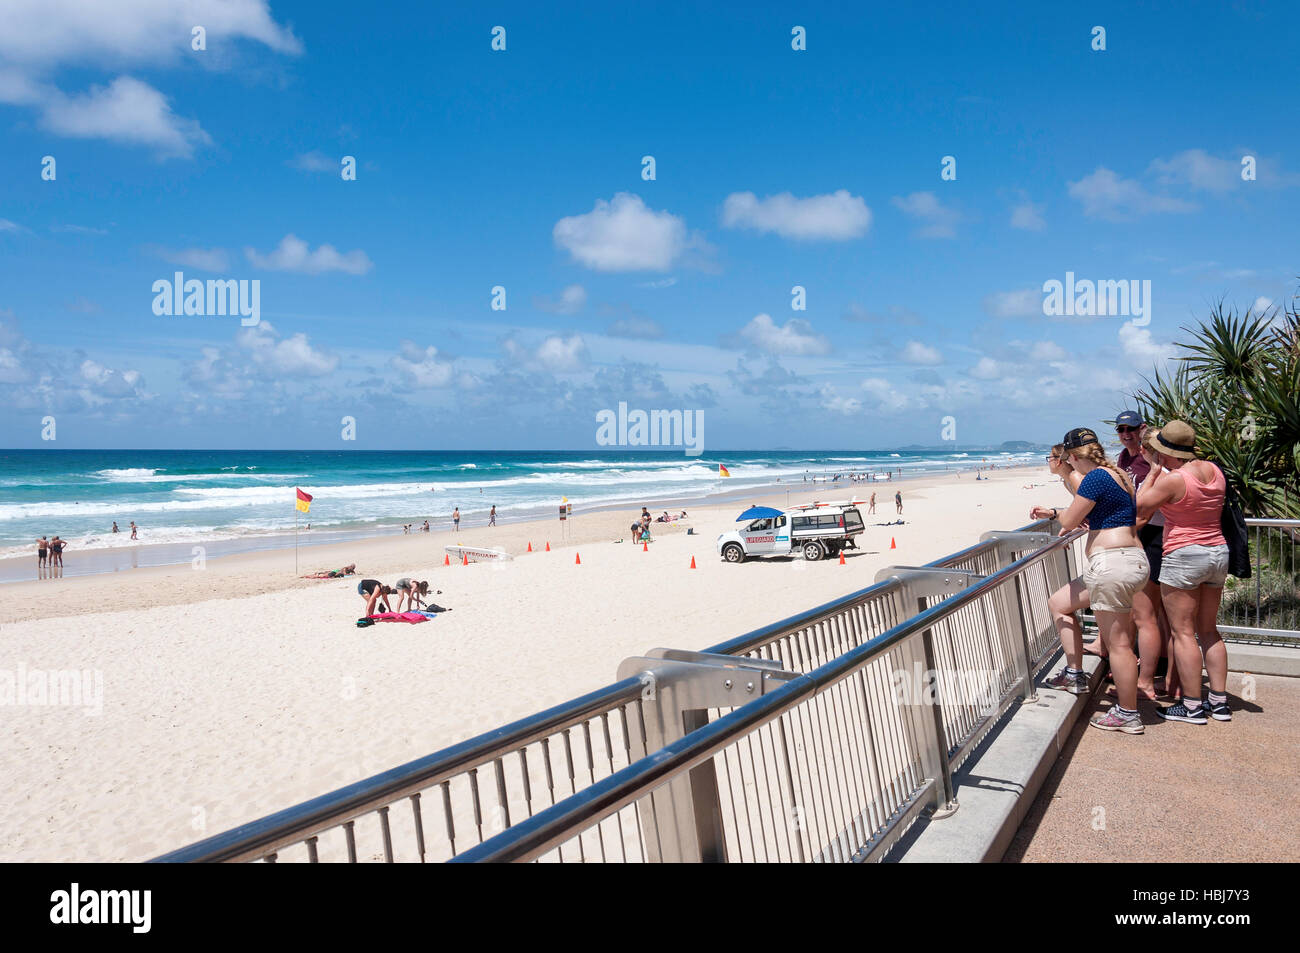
<point>814,531</point>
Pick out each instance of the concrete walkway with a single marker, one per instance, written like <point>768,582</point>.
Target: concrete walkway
<point>1179,792</point>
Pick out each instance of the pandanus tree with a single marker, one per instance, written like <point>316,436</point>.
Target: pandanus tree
<point>1237,381</point>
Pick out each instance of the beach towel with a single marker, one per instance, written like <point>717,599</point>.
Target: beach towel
<point>398,617</point>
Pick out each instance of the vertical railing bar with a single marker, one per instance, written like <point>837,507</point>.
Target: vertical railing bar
<point>419,825</point>
<point>388,834</point>
<point>446,813</point>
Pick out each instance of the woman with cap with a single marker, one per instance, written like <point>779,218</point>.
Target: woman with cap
<point>1117,568</point>
<point>1195,564</point>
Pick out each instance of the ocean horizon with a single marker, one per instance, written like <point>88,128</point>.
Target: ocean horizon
<point>199,496</point>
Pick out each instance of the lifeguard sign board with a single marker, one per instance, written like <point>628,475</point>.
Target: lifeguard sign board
<point>564,512</point>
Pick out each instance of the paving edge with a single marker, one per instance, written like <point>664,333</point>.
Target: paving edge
<point>997,787</point>
<point>1263,659</point>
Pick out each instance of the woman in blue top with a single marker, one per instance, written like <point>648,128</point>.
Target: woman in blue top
<point>1117,568</point>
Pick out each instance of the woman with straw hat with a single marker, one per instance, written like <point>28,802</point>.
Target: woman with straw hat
<point>1195,564</point>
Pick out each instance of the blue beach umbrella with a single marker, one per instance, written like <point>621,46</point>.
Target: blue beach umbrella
<point>757,512</point>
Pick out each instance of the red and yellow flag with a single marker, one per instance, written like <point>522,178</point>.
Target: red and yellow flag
<point>304,501</point>
<point>723,471</point>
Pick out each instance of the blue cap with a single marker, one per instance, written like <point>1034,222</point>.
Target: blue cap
<point>1129,418</point>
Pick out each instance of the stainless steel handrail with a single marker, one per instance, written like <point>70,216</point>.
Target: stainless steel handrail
<point>264,837</point>
<point>556,825</point>
<point>268,834</point>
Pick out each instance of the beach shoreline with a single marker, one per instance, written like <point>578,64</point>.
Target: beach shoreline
<point>314,544</point>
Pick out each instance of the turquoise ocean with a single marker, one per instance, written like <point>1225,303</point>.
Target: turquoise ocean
<point>199,496</point>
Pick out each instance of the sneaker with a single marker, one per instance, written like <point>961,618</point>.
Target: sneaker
<point>1111,720</point>
<point>1065,682</point>
<point>1179,712</point>
<point>1219,712</point>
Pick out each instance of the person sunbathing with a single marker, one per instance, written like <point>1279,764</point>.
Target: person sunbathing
<point>347,570</point>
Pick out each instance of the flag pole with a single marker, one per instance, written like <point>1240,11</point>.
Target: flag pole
<point>295,539</point>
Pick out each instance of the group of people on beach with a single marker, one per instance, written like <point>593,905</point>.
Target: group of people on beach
<point>49,556</point>
<point>49,552</point>
<point>409,592</point>
<point>1157,559</point>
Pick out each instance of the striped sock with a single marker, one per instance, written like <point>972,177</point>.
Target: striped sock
<point>1217,698</point>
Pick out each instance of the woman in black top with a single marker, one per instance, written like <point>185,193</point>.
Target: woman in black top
<point>372,590</point>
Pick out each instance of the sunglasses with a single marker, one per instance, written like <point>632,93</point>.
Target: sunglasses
<point>1127,429</point>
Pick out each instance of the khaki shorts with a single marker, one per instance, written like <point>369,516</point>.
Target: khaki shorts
<point>1114,575</point>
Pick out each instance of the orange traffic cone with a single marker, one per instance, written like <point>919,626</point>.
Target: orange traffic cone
<point>577,559</point>
<point>464,559</point>
<point>645,547</point>
<point>692,562</point>
<point>446,560</point>
<point>892,544</point>
<point>548,547</point>
<point>530,547</point>
<point>841,559</point>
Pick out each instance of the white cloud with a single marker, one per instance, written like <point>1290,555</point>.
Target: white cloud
<point>1024,303</point>
<point>636,327</point>
<point>1028,216</point>
<point>293,254</point>
<point>100,383</point>
<point>623,235</point>
<point>570,301</point>
<point>1107,196</point>
<point>562,354</point>
<point>1046,351</point>
<point>914,352</point>
<point>1198,169</point>
<point>8,226</point>
<point>938,220</point>
<point>44,33</point>
<point>1262,304</point>
<point>886,396</point>
<point>315,161</point>
<point>126,111</point>
<point>204,259</point>
<point>987,369</point>
<point>293,356</point>
<point>422,368</point>
<point>38,37</point>
<point>837,216</point>
<point>795,337</point>
<point>838,404</point>
<point>1141,349</point>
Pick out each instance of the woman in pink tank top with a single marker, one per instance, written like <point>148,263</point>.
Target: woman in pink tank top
<point>1194,566</point>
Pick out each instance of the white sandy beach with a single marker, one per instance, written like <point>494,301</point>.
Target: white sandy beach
<point>238,690</point>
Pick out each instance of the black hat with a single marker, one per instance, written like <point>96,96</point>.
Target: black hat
<point>1078,437</point>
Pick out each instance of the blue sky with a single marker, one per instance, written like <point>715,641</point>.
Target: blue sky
<point>522,168</point>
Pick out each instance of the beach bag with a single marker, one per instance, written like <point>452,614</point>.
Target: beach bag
<point>1232,522</point>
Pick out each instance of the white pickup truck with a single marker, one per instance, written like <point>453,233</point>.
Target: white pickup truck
<point>815,530</point>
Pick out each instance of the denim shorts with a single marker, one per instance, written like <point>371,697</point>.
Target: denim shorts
<point>1190,566</point>
<point>1113,576</point>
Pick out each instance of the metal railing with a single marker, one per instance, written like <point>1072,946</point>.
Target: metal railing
<point>1266,607</point>
<point>435,807</point>
<point>828,765</point>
